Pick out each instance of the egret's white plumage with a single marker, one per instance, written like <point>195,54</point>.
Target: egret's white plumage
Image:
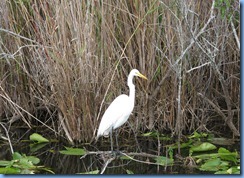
<point>120,109</point>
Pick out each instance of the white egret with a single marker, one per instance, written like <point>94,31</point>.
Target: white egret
<point>119,110</point>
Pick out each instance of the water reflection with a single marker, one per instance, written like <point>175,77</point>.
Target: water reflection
<point>66,164</point>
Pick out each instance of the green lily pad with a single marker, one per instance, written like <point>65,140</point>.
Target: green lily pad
<point>16,156</point>
<point>73,151</point>
<point>214,164</point>
<point>182,145</point>
<point>38,138</point>
<point>206,146</point>
<point>164,161</point>
<point>91,172</point>
<point>9,170</point>
<point>234,170</point>
<point>5,163</point>
<point>25,163</point>
<point>129,171</point>
<point>33,159</point>
<point>227,155</point>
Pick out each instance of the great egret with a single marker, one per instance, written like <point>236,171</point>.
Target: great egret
<point>119,110</point>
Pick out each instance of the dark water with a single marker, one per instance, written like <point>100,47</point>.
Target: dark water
<point>66,164</point>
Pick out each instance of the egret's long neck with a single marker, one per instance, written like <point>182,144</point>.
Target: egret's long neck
<point>132,88</point>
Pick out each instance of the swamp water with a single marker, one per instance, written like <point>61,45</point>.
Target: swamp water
<point>142,153</point>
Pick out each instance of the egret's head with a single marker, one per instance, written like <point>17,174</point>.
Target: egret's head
<point>135,72</point>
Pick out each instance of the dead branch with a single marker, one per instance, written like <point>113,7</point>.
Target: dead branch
<point>9,141</point>
<point>194,68</point>
<point>223,116</point>
<point>235,34</point>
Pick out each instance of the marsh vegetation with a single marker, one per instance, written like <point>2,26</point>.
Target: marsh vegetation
<point>63,62</point>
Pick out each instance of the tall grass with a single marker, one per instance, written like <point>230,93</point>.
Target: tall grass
<point>71,59</point>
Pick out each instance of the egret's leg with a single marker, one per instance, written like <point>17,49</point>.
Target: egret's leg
<point>116,137</point>
<point>111,140</point>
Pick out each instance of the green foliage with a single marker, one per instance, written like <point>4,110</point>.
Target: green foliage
<point>90,172</point>
<point>227,155</point>
<point>207,156</point>
<point>126,157</point>
<point>197,135</point>
<point>73,151</point>
<point>202,147</point>
<point>37,146</point>
<point>221,162</point>
<point>164,161</point>
<point>223,6</point>
<point>129,171</point>
<point>38,138</point>
<point>22,164</point>
<point>214,164</point>
<point>39,142</point>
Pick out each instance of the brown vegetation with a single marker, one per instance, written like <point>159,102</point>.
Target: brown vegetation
<point>71,59</point>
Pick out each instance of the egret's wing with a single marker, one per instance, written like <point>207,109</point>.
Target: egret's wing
<point>117,109</point>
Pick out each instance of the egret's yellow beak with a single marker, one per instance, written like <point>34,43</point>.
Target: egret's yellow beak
<point>142,76</point>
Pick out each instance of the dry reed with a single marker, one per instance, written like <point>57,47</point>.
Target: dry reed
<point>60,55</point>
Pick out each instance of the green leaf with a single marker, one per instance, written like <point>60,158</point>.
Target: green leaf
<point>25,163</point>
<point>38,138</point>
<point>129,171</point>
<point>9,170</point>
<point>33,159</point>
<point>211,165</point>
<point>164,161</point>
<point>206,156</point>
<point>37,146</point>
<point>170,153</point>
<point>5,163</point>
<point>234,170</point>
<point>147,134</point>
<point>198,135</point>
<point>227,155</point>
<point>27,171</point>
<point>206,146</point>
<point>150,134</point>
<point>91,172</point>
<point>126,157</point>
<point>215,164</point>
<point>16,156</point>
<point>73,151</point>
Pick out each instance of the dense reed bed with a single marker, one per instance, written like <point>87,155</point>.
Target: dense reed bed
<point>63,62</point>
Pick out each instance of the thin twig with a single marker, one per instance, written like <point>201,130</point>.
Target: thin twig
<point>193,40</point>
<point>194,68</point>
<point>139,154</point>
<point>235,34</point>
<point>9,141</point>
<point>17,35</point>
<point>13,103</point>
